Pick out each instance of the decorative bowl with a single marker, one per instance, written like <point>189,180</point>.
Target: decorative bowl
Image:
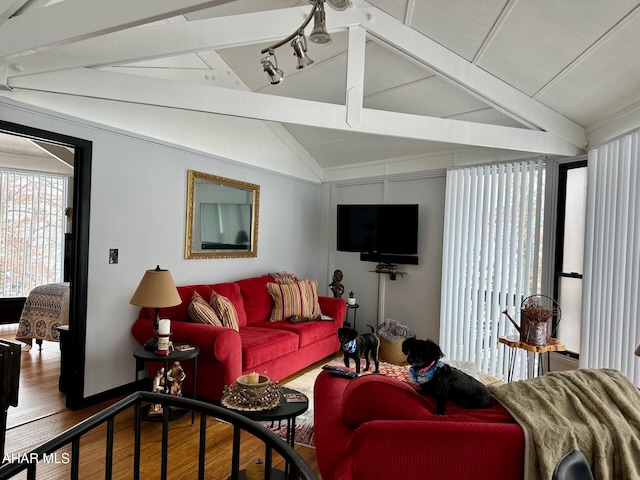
<point>263,381</point>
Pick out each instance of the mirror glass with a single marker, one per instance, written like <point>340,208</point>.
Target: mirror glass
<point>222,217</point>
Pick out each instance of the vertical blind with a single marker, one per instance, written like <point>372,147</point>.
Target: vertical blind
<point>32,226</point>
<point>611,300</point>
<point>492,259</point>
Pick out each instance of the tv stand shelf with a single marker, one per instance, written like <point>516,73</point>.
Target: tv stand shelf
<point>392,275</point>
<point>386,258</point>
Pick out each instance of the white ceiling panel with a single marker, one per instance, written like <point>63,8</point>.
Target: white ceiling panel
<point>20,146</point>
<point>603,82</point>
<point>369,148</point>
<point>315,137</point>
<point>322,83</point>
<point>386,69</point>
<point>461,26</point>
<point>433,97</point>
<point>487,115</point>
<point>243,6</point>
<point>540,38</point>
<point>395,8</point>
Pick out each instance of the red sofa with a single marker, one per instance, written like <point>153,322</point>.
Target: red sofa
<point>275,349</point>
<point>376,427</point>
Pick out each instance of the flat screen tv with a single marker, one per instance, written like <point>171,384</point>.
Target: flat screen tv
<point>382,229</point>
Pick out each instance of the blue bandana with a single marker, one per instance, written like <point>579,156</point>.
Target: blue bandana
<point>424,375</point>
<point>350,347</point>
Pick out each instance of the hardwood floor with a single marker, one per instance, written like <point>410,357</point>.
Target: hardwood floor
<point>38,391</point>
<point>41,415</point>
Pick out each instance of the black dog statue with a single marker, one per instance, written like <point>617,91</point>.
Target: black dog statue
<point>355,345</point>
<point>441,380</point>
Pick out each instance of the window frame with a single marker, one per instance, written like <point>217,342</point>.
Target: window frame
<point>561,208</point>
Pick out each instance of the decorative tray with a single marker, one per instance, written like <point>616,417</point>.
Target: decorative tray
<point>236,397</point>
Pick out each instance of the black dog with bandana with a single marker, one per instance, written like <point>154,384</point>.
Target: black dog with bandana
<point>355,345</point>
<point>441,380</point>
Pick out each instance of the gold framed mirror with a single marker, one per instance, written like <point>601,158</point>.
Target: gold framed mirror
<point>222,217</point>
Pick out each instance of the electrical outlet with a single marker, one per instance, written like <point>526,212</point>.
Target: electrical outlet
<point>113,255</point>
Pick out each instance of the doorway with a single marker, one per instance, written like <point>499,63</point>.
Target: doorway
<point>74,368</point>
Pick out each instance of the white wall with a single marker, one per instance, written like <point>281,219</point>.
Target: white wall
<point>413,300</point>
<point>138,205</point>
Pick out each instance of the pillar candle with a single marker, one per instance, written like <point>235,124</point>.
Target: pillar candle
<point>253,378</point>
<point>164,326</point>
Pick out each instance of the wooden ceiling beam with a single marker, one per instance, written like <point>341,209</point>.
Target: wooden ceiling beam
<point>209,99</point>
<point>98,17</point>
<point>9,7</point>
<point>159,41</point>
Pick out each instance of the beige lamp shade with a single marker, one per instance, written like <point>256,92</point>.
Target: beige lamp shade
<point>156,290</point>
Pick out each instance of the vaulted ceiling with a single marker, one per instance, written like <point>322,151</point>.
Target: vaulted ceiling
<point>401,79</point>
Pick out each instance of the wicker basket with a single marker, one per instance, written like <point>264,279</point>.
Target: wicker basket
<point>391,352</point>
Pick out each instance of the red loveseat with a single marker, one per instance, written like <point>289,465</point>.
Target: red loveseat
<point>376,427</point>
<point>275,349</point>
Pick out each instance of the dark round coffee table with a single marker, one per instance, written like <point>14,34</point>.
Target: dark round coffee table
<point>285,411</point>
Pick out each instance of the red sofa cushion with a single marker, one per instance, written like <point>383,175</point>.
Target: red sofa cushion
<point>376,397</point>
<point>260,345</point>
<point>308,332</point>
<point>257,301</point>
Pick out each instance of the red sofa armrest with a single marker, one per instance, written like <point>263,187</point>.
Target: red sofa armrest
<point>219,344</point>
<point>335,308</point>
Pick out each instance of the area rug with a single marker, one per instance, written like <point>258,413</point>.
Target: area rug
<point>304,384</point>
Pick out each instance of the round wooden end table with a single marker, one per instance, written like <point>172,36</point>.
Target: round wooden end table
<point>143,356</point>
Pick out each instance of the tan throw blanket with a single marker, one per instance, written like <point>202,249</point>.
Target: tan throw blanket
<point>594,411</point>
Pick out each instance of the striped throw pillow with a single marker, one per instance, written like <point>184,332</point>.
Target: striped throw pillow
<point>312,296</point>
<point>201,312</point>
<point>225,310</point>
<point>294,298</point>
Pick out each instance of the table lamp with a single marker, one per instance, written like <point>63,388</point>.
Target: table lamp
<point>156,290</point>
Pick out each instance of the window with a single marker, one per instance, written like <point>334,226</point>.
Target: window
<point>572,196</point>
<point>32,227</point>
<point>492,256</point>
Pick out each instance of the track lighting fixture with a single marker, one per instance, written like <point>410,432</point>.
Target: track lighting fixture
<point>273,72</point>
<point>319,36</point>
<point>299,45</point>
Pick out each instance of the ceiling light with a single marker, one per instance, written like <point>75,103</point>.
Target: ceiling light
<point>319,34</point>
<point>340,4</point>
<point>299,45</point>
<point>273,72</point>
